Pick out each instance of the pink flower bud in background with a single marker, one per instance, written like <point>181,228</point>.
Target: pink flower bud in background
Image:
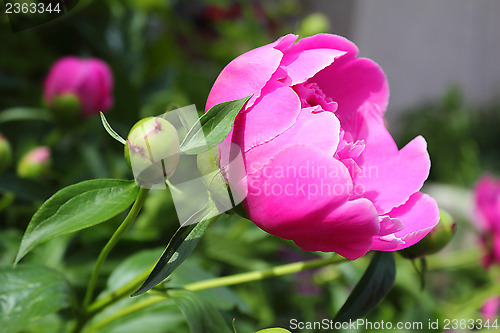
<point>322,168</point>
<point>5,153</point>
<point>487,202</point>
<point>35,164</point>
<point>490,308</point>
<point>90,80</point>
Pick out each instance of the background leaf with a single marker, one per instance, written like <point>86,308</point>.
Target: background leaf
<point>215,127</point>
<point>274,330</point>
<point>26,189</point>
<point>201,315</point>
<point>28,292</point>
<point>23,114</point>
<point>376,282</point>
<point>160,317</point>
<point>77,207</point>
<point>178,249</point>
<point>131,267</point>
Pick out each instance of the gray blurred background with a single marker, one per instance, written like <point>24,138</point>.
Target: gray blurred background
<point>425,47</point>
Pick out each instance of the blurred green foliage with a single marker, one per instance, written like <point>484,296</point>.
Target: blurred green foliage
<point>462,139</point>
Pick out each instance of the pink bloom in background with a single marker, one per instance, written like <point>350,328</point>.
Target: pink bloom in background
<point>89,79</point>
<point>490,308</point>
<point>38,155</point>
<point>35,164</point>
<point>322,168</point>
<point>487,202</point>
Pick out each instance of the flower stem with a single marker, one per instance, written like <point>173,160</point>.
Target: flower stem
<point>118,294</point>
<point>215,283</point>
<point>126,289</point>
<point>134,211</point>
<point>263,274</point>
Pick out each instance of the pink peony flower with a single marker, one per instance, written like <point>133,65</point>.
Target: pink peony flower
<point>322,169</point>
<point>487,202</point>
<point>89,79</point>
<point>490,309</point>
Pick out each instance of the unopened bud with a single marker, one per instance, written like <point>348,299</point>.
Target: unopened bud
<point>5,153</point>
<point>152,151</point>
<point>35,164</point>
<point>435,240</point>
<point>66,108</point>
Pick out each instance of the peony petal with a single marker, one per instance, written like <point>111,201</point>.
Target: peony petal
<point>347,230</point>
<point>106,84</point>
<point>419,215</point>
<point>300,183</point>
<point>490,309</point>
<point>326,41</point>
<point>62,78</point>
<point>496,247</point>
<point>390,226</point>
<point>304,64</point>
<point>389,176</point>
<point>272,115</point>
<point>245,75</point>
<point>487,197</point>
<point>318,129</point>
<point>352,84</point>
<point>283,43</point>
<point>94,86</point>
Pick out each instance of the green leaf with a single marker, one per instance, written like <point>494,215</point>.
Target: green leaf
<point>274,330</point>
<point>215,127</point>
<point>178,249</point>
<point>159,317</point>
<point>374,285</point>
<point>26,189</point>
<point>29,292</point>
<point>201,315</point>
<point>77,207</point>
<point>111,131</point>
<point>23,114</point>
<point>130,268</point>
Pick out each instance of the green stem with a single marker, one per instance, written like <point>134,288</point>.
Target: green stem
<point>126,289</point>
<point>124,312</point>
<point>134,211</point>
<point>214,283</point>
<point>263,274</point>
<point>118,294</point>
<point>453,260</point>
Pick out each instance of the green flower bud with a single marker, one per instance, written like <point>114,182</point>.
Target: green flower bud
<point>66,109</point>
<point>35,164</point>
<point>152,151</point>
<point>435,240</point>
<point>5,153</point>
<point>314,24</point>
